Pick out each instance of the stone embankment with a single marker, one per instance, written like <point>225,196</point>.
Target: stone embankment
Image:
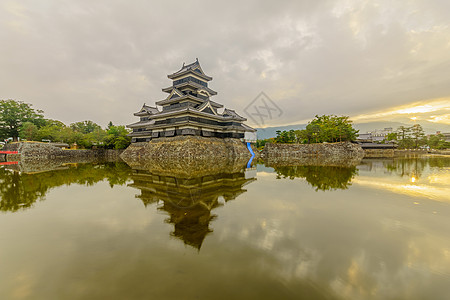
<point>412,153</point>
<point>406,153</point>
<point>190,155</point>
<point>333,154</point>
<point>40,156</point>
<point>439,152</point>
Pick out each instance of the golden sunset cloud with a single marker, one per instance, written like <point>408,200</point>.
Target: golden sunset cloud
<point>433,110</point>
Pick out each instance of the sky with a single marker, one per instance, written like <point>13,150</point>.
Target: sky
<point>102,60</point>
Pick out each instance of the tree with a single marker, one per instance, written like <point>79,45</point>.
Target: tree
<point>67,135</point>
<point>321,129</point>
<point>418,135</point>
<point>262,143</point>
<point>299,136</point>
<point>436,141</point>
<point>29,131</point>
<point>393,136</point>
<point>53,130</point>
<point>117,137</point>
<point>285,136</point>
<point>85,126</point>
<point>13,114</point>
<point>330,128</point>
<point>54,123</point>
<point>88,140</point>
<point>403,132</point>
<point>406,143</point>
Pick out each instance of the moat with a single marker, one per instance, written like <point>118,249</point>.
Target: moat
<point>377,230</point>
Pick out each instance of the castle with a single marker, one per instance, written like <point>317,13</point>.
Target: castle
<point>188,110</point>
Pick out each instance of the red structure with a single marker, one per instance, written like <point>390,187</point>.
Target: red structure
<point>9,152</point>
<point>8,163</point>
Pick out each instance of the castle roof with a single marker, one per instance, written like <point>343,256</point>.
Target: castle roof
<point>192,67</point>
<point>191,83</point>
<point>140,124</point>
<point>147,110</point>
<point>231,113</point>
<point>171,99</point>
<point>207,107</point>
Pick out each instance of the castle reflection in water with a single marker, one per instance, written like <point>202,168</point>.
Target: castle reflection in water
<point>189,201</point>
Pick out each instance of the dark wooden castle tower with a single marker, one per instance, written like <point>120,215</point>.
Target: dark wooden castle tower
<point>188,110</point>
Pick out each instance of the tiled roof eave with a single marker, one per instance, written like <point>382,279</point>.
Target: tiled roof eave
<point>141,113</point>
<point>179,74</point>
<point>194,111</point>
<point>185,97</point>
<point>169,89</point>
<point>140,134</point>
<point>202,125</point>
<point>139,124</point>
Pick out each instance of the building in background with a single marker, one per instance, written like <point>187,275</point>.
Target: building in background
<point>376,135</point>
<point>446,135</point>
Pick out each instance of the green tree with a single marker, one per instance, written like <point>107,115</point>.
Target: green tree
<point>67,135</point>
<point>299,136</point>
<point>262,143</point>
<point>330,128</point>
<point>403,132</point>
<point>406,143</point>
<point>29,131</point>
<point>393,136</point>
<point>285,136</point>
<point>409,137</point>
<point>94,138</point>
<point>54,123</point>
<point>85,126</point>
<point>117,137</point>
<point>13,114</point>
<point>418,135</point>
<point>436,141</point>
<point>52,130</point>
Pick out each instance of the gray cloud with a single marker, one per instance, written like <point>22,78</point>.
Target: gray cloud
<point>102,60</point>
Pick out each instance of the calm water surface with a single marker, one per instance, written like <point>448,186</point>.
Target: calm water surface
<point>380,230</point>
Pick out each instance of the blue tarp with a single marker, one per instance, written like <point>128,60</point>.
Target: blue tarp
<point>249,163</point>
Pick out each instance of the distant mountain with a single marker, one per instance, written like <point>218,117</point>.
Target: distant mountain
<point>270,132</point>
<point>429,128</point>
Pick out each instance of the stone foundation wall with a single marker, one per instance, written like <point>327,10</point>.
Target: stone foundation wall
<point>188,154</point>
<point>334,154</point>
<point>37,152</point>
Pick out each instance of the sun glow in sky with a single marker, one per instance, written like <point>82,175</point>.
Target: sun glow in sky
<point>435,110</point>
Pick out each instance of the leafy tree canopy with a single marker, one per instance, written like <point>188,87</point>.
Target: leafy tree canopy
<point>326,128</point>
<point>117,137</point>
<point>29,131</point>
<point>13,114</point>
<point>85,126</point>
<point>408,137</point>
